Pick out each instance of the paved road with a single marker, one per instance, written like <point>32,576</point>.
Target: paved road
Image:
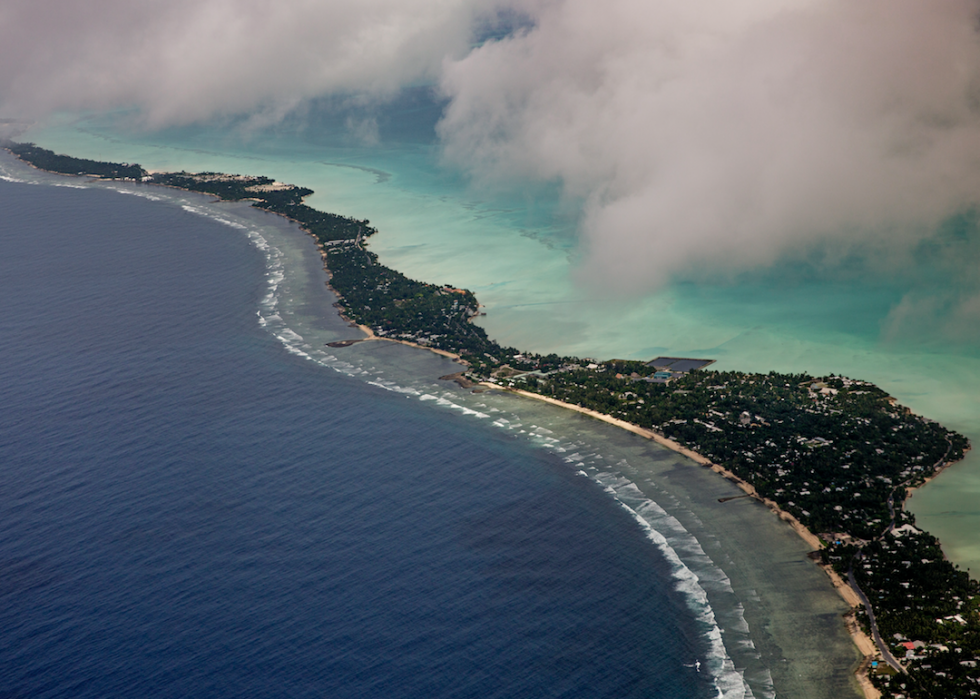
<point>886,654</point>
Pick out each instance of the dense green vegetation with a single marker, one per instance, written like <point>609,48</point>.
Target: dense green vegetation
<point>922,600</point>
<point>829,450</point>
<point>397,307</point>
<point>837,453</point>
<point>270,195</point>
<point>66,165</point>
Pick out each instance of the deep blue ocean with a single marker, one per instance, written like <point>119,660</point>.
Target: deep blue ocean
<point>187,509</point>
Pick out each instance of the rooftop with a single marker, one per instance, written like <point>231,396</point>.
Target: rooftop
<point>679,364</point>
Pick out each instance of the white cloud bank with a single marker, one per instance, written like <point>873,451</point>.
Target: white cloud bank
<point>720,135</point>
<point>185,60</point>
<point>703,135</point>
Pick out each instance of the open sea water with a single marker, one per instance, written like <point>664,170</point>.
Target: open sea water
<point>189,509</point>
<point>199,498</point>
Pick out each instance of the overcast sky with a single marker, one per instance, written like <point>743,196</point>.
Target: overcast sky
<point>703,135</point>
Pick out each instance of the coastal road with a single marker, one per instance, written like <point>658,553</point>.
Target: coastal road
<point>886,654</point>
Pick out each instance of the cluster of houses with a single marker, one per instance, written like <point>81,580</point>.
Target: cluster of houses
<point>919,650</point>
<point>666,368</point>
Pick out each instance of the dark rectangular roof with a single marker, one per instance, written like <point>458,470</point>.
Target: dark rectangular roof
<point>680,364</point>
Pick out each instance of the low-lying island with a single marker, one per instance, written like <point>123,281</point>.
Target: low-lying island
<point>832,456</point>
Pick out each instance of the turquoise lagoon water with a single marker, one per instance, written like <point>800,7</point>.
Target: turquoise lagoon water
<point>517,251</point>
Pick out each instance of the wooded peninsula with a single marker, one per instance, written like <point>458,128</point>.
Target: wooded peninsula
<point>837,454</point>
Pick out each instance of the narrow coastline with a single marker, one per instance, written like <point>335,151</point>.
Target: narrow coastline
<point>846,589</point>
<point>369,334</point>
